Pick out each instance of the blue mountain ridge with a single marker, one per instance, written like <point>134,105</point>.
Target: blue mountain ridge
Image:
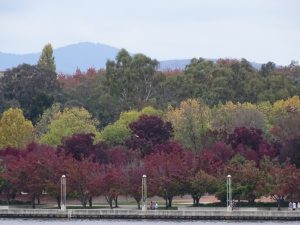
<point>83,56</point>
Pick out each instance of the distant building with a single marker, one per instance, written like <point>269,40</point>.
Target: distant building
<point>1,73</point>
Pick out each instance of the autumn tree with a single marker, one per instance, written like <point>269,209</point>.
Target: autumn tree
<point>69,122</point>
<point>119,131</point>
<point>200,184</point>
<point>114,182</point>
<point>7,156</point>
<point>133,175</point>
<point>251,144</point>
<point>246,178</point>
<point>85,179</point>
<point>280,181</point>
<point>147,132</point>
<point>29,172</point>
<point>79,146</point>
<point>15,130</point>
<point>168,171</point>
<point>191,122</point>
<point>48,115</point>
<point>46,60</point>
<point>213,158</point>
<point>229,116</point>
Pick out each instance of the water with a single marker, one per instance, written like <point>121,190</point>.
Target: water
<point>135,222</point>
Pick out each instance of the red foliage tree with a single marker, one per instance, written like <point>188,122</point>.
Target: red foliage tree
<point>29,173</point>
<point>280,181</point>
<point>121,156</point>
<point>70,81</point>
<point>167,171</point>
<point>212,159</point>
<point>7,156</point>
<point>147,132</point>
<point>114,182</point>
<point>133,181</point>
<point>85,179</point>
<point>80,146</point>
<point>251,144</point>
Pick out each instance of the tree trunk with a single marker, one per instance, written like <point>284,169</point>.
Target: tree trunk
<point>58,202</point>
<point>83,201</point>
<point>109,201</point>
<point>196,201</point>
<point>7,198</point>
<point>33,201</point>
<point>91,202</point>
<point>116,201</point>
<point>170,201</point>
<point>38,199</point>
<point>251,200</point>
<point>166,203</point>
<point>138,202</point>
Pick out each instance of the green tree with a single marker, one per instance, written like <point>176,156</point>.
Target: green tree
<point>69,122</point>
<point>46,60</point>
<point>15,130</point>
<point>49,114</point>
<point>32,88</point>
<point>131,79</point>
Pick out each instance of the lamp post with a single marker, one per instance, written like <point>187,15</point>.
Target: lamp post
<point>63,198</point>
<point>144,192</point>
<point>229,193</point>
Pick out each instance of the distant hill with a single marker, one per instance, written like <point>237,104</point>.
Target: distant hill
<point>83,56</point>
<point>173,64</point>
<point>182,63</point>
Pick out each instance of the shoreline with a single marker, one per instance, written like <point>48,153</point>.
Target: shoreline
<point>151,214</point>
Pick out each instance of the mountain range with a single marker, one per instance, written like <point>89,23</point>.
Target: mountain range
<point>83,56</point>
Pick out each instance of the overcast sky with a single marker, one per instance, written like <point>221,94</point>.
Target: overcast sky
<point>258,30</point>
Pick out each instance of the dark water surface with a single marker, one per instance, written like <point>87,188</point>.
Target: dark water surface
<point>135,222</point>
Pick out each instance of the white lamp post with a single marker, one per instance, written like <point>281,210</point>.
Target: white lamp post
<point>63,198</point>
<point>229,193</point>
<point>144,192</point>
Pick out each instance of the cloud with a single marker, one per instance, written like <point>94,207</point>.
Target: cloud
<point>257,30</point>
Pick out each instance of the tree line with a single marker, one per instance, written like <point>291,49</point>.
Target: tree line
<point>185,129</point>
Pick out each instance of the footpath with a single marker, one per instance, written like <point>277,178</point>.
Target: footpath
<point>182,213</point>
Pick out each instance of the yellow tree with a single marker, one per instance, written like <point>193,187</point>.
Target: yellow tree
<point>15,130</point>
<point>229,116</point>
<point>69,122</point>
<point>190,121</point>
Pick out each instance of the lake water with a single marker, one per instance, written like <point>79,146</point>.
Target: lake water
<point>135,222</point>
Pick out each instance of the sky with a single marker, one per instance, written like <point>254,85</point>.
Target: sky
<point>258,30</point>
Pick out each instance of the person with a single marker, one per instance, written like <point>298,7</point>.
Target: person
<point>151,205</point>
<point>156,205</point>
<point>290,205</point>
<point>298,205</point>
<point>294,206</point>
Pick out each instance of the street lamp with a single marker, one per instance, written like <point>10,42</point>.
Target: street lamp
<point>63,198</point>
<point>229,193</point>
<point>144,192</point>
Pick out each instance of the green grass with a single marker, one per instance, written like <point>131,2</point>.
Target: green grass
<point>15,202</point>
